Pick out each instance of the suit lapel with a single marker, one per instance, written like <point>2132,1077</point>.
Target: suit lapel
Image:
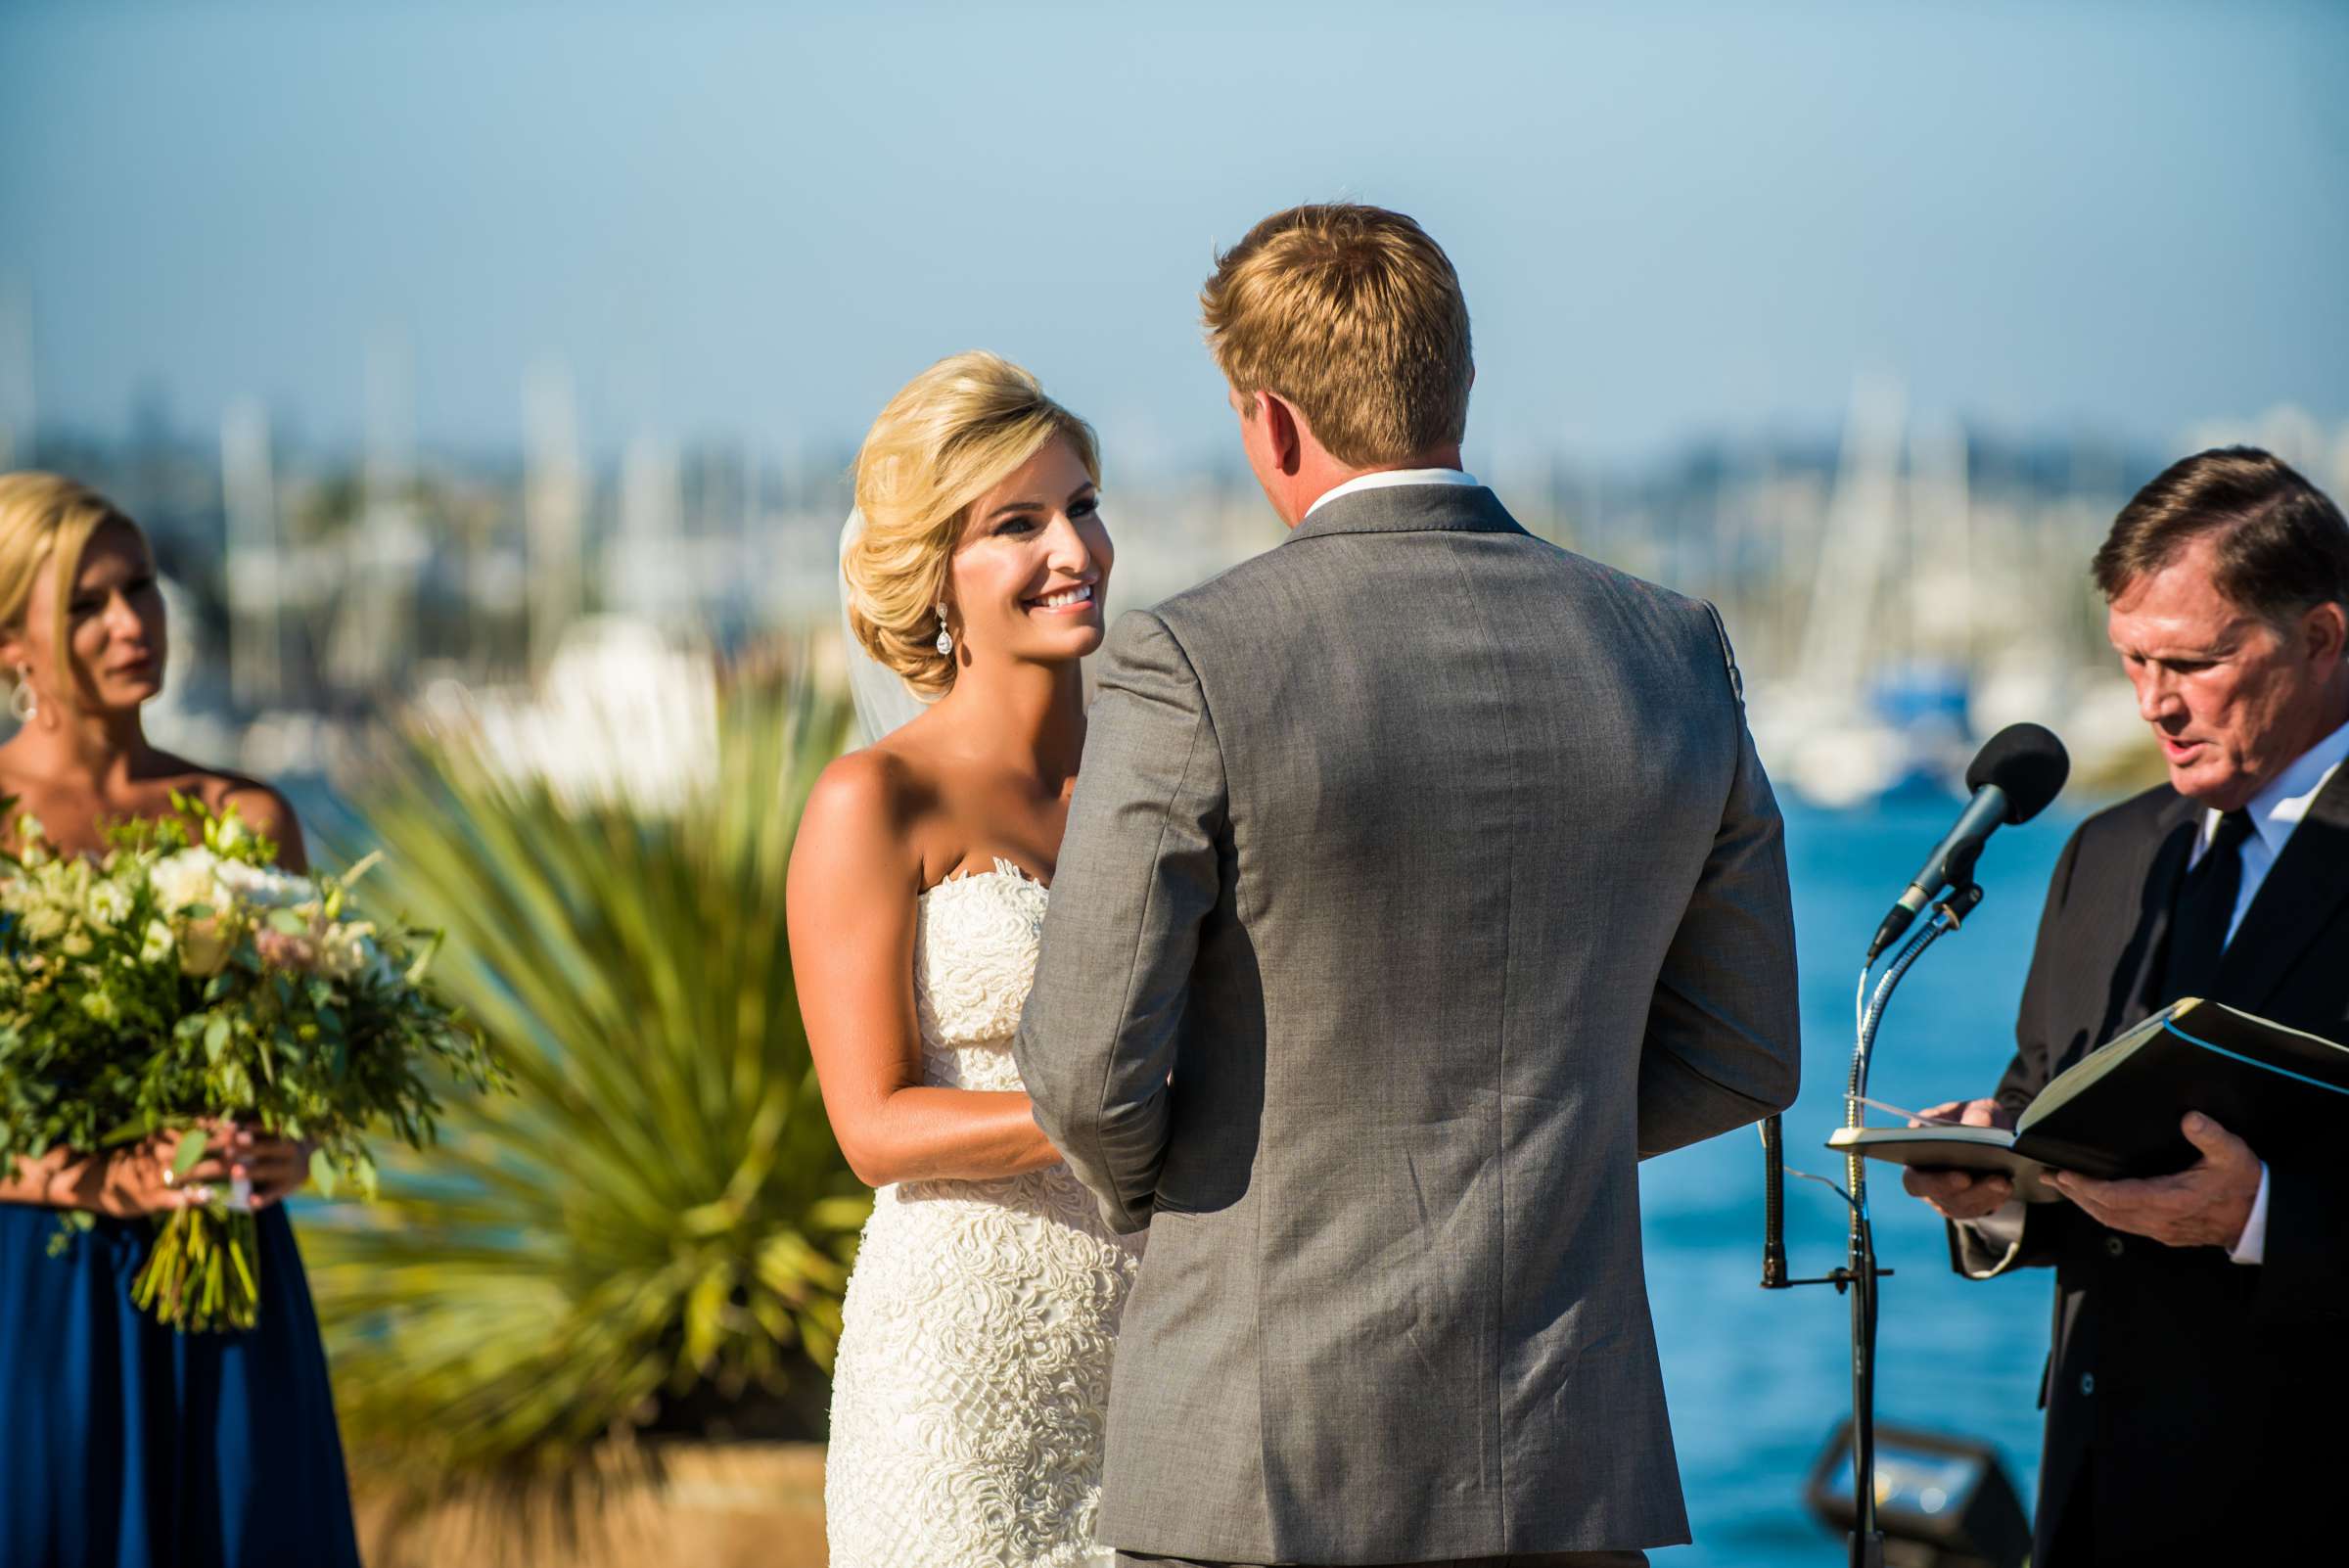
<point>2181,827</point>
<point>2151,883</point>
<point>2303,887</point>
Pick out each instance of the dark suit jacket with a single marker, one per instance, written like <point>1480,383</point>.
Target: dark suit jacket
<point>2177,1376</point>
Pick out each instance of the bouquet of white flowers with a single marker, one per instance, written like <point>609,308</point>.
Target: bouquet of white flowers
<point>179,985</point>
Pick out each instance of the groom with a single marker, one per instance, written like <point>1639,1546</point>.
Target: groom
<point>1421,880</point>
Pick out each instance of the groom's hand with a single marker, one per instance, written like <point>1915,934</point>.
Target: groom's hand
<point>1963,1194</point>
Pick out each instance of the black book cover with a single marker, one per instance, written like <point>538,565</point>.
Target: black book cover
<point>2116,1113</point>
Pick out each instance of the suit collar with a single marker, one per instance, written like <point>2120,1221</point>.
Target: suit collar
<point>2176,810</point>
<point>1382,479</point>
<point>1410,509</point>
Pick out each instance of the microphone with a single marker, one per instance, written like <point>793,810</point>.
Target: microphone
<point>2013,777</point>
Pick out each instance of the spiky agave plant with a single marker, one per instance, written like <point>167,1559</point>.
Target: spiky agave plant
<point>655,1228</point>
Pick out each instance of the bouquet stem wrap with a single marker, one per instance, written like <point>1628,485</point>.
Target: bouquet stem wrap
<point>204,1272</point>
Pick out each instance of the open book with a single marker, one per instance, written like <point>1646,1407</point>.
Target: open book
<point>2115,1112</point>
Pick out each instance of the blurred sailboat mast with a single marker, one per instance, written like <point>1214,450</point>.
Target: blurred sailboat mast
<point>1854,546</point>
<point>646,572</point>
<point>554,498</point>
<point>377,629</point>
<point>254,568</point>
<point>1941,569</point>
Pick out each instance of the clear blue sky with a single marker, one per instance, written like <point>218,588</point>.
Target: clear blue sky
<point>758,220</point>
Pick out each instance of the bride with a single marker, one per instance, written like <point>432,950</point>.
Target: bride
<point>972,1381</point>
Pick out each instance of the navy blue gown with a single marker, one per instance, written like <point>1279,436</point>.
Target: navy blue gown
<point>129,1446</point>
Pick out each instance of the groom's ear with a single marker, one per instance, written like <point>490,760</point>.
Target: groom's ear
<point>1282,432</point>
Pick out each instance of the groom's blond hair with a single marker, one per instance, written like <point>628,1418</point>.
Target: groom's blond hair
<point>1355,317</point>
<point>948,437</point>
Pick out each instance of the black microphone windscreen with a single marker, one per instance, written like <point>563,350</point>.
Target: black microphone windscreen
<point>2028,765</point>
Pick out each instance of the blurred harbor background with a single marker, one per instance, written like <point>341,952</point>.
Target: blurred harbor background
<point>1896,590</point>
<point>500,369</point>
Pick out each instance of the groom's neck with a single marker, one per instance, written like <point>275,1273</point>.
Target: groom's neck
<point>1317,479</point>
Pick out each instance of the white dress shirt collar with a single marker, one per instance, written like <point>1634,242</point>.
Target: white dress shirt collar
<point>1389,477</point>
<point>2279,805</point>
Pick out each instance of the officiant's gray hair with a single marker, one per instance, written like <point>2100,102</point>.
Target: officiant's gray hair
<point>948,437</point>
<point>2282,547</point>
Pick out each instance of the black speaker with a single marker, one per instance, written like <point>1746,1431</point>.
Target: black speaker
<point>1942,1501</point>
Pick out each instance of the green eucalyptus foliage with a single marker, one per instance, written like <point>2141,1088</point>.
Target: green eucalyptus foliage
<point>658,1220</point>
<point>170,986</point>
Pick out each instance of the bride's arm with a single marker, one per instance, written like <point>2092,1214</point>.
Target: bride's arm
<point>851,905</point>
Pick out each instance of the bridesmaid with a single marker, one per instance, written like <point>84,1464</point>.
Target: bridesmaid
<point>128,1444</point>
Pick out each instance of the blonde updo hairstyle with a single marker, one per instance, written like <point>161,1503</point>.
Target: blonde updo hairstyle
<point>46,520</point>
<point>946,439</point>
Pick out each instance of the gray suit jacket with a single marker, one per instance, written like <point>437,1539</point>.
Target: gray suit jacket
<point>1420,879</point>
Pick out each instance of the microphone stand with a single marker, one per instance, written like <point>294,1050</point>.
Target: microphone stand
<point>1858,1275</point>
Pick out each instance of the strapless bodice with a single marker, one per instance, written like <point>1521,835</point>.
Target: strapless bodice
<point>974,956</point>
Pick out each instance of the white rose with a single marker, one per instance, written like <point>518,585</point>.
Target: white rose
<point>266,886</point>
<point>186,877</point>
<point>108,903</point>
<point>158,945</point>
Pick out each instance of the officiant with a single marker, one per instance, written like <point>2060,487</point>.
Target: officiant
<point>2201,1325</point>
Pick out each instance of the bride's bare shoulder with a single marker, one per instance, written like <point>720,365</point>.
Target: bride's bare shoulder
<point>868,809</point>
<point>871,781</point>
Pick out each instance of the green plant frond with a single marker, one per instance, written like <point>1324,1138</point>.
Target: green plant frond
<point>658,1207</point>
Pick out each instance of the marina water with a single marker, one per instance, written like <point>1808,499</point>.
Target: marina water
<point>1759,1379</point>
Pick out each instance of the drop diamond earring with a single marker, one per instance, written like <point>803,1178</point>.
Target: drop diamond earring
<point>946,638</point>
<point>20,701</point>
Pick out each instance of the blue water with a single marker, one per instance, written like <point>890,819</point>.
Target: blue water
<point>1758,1379</point>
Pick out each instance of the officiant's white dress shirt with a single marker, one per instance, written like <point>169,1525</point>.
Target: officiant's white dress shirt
<point>2275,811</point>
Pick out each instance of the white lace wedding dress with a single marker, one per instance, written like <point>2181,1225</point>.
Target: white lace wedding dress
<point>972,1383</point>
